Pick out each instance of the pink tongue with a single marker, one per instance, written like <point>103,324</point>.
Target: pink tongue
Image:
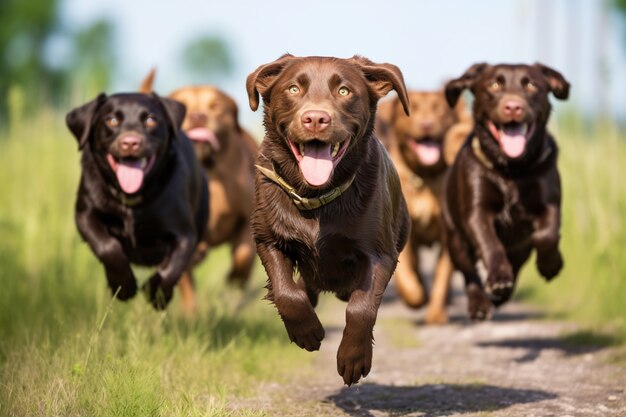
<point>428,153</point>
<point>512,145</point>
<point>129,175</point>
<point>201,134</point>
<point>316,164</point>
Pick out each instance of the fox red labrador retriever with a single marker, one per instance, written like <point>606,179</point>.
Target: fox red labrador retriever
<point>422,147</point>
<point>142,196</point>
<point>227,153</point>
<point>328,202</point>
<point>503,193</point>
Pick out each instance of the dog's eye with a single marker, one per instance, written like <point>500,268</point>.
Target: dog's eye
<point>112,121</point>
<point>343,91</point>
<point>495,86</point>
<point>294,89</point>
<point>530,87</point>
<point>151,121</point>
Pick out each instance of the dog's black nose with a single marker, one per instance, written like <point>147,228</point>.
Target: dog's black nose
<point>315,120</point>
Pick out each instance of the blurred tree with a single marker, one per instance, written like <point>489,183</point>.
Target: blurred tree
<point>208,58</point>
<point>30,63</point>
<point>93,58</point>
<point>24,28</point>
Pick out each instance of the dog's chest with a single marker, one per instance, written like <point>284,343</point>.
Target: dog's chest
<point>520,204</point>
<point>144,242</point>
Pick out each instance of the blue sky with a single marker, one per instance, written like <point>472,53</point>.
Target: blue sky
<point>430,40</point>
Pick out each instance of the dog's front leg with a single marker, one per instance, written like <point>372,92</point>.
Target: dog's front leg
<point>500,278</point>
<point>293,305</point>
<point>160,287</point>
<point>545,239</point>
<point>354,357</point>
<point>110,252</point>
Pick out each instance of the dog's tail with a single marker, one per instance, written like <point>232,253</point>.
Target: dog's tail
<point>146,84</point>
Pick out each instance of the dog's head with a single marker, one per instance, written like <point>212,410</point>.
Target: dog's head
<point>511,104</point>
<point>318,109</point>
<point>211,120</point>
<point>420,136</point>
<point>128,134</point>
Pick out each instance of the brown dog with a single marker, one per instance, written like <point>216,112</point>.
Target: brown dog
<point>503,193</point>
<point>227,153</point>
<point>328,201</point>
<point>422,146</point>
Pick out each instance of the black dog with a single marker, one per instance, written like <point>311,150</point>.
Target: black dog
<point>142,196</point>
<point>503,193</point>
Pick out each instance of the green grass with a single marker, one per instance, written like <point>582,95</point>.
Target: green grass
<point>67,349</point>
<point>592,286</point>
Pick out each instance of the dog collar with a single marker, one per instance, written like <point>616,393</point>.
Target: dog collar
<point>124,199</point>
<point>303,203</point>
<point>478,151</point>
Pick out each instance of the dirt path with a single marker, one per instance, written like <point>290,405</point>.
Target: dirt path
<point>514,365</point>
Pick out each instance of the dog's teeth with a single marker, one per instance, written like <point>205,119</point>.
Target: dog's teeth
<point>336,147</point>
<point>524,129</point>
<point>301,146</point>
<point>144,162</point>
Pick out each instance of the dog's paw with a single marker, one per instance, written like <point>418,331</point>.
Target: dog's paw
<point>122,289</point>
<point>550,265</point>
<point>307,334</point>
<point>436,316</point>
<point>500,283</point>
<point>158,295</point>
<point>354,360</point>
<point>478,304</point>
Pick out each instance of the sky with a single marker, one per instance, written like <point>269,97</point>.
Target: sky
<point>430,40</point>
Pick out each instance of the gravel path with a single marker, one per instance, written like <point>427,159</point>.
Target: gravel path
<point>518,364</point>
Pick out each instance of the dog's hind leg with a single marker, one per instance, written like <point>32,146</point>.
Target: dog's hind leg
<point>243,251</point>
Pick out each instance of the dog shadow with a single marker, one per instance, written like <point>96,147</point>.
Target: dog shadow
<point>577,343</point>
<point>431,400</point>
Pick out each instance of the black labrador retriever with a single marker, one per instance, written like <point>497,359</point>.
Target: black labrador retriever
<point>503,193</point>
<point>142,196</point>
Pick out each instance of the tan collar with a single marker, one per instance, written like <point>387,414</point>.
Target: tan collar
<point>303,203</point>
<point>480,154</point>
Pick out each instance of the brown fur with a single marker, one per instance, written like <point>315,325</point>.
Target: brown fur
<point>433,121</point>
<point>230,169</point>
<point>351,245</point>
<point>499,206</point>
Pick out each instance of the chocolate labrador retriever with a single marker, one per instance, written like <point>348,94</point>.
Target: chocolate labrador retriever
<point>328,202</point>
<point>142,196</point>
<point>417,145</point>
<point>227,153</point>
<point>503,193</point>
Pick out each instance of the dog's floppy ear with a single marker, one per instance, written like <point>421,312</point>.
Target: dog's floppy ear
<point>262,80</point>
<point>558,84</point>
<point>383,78</point>
<point>80,120</point>
<point>454,88</point>
<point>146,86</point>
<point>175,112</point>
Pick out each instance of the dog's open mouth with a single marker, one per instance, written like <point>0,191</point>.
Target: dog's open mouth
<point>512,137</point>
<point>204,135</point>
<point>130,172</point>
<point>317,159</point>
<point>428,151</point>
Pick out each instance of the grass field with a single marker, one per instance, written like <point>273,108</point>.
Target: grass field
<point>592,286</point>
<point>67,350</point>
